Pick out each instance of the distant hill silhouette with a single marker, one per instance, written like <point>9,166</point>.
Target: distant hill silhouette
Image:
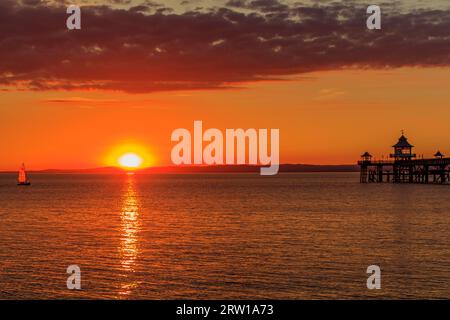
<point>210,169</point>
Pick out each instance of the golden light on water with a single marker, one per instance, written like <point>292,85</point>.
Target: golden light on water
<point>130,227</point>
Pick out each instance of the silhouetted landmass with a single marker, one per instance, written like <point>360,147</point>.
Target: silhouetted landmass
<point>211,169</point>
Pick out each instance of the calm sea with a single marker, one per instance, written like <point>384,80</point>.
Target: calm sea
<point>293,236</point>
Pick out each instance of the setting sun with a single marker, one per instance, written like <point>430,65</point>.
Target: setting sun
<point>130,160</point>
<point>129,155</point>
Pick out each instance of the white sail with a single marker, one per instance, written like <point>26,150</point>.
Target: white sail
<point>22,175</point>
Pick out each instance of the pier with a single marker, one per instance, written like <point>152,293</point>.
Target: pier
<point>405,167</point>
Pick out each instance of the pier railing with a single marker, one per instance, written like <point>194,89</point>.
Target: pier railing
<point>377,162</point>
<point>434,170</point>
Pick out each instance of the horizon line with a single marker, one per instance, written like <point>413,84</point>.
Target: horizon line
<point>184,168</point>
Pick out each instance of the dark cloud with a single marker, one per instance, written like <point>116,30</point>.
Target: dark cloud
<point>268,5</point>
<point>140,8</point>
<point>136,51</point>
<point>237,3</point>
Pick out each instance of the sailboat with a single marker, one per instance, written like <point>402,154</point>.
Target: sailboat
<point>22,180</point>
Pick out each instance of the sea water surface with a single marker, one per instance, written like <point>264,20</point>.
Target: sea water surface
<point>213,236</point>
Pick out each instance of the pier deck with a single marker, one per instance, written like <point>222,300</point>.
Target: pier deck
<point>435,170</point>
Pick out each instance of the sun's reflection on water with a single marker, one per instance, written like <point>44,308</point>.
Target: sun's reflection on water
<point>129,244</point>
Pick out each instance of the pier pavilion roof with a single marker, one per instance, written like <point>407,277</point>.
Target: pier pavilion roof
<point>403,143</point>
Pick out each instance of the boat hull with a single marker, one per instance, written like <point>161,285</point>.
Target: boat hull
<point>23,183</point>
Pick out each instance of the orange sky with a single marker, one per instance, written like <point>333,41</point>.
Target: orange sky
<point>323,117</point>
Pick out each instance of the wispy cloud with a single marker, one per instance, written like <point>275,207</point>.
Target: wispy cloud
<point>78,100</point>
<point>330,94</point>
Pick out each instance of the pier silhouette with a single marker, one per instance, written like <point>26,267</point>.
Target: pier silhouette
<point>405,167</point>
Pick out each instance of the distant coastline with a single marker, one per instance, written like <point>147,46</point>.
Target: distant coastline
<point>205,169</point>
